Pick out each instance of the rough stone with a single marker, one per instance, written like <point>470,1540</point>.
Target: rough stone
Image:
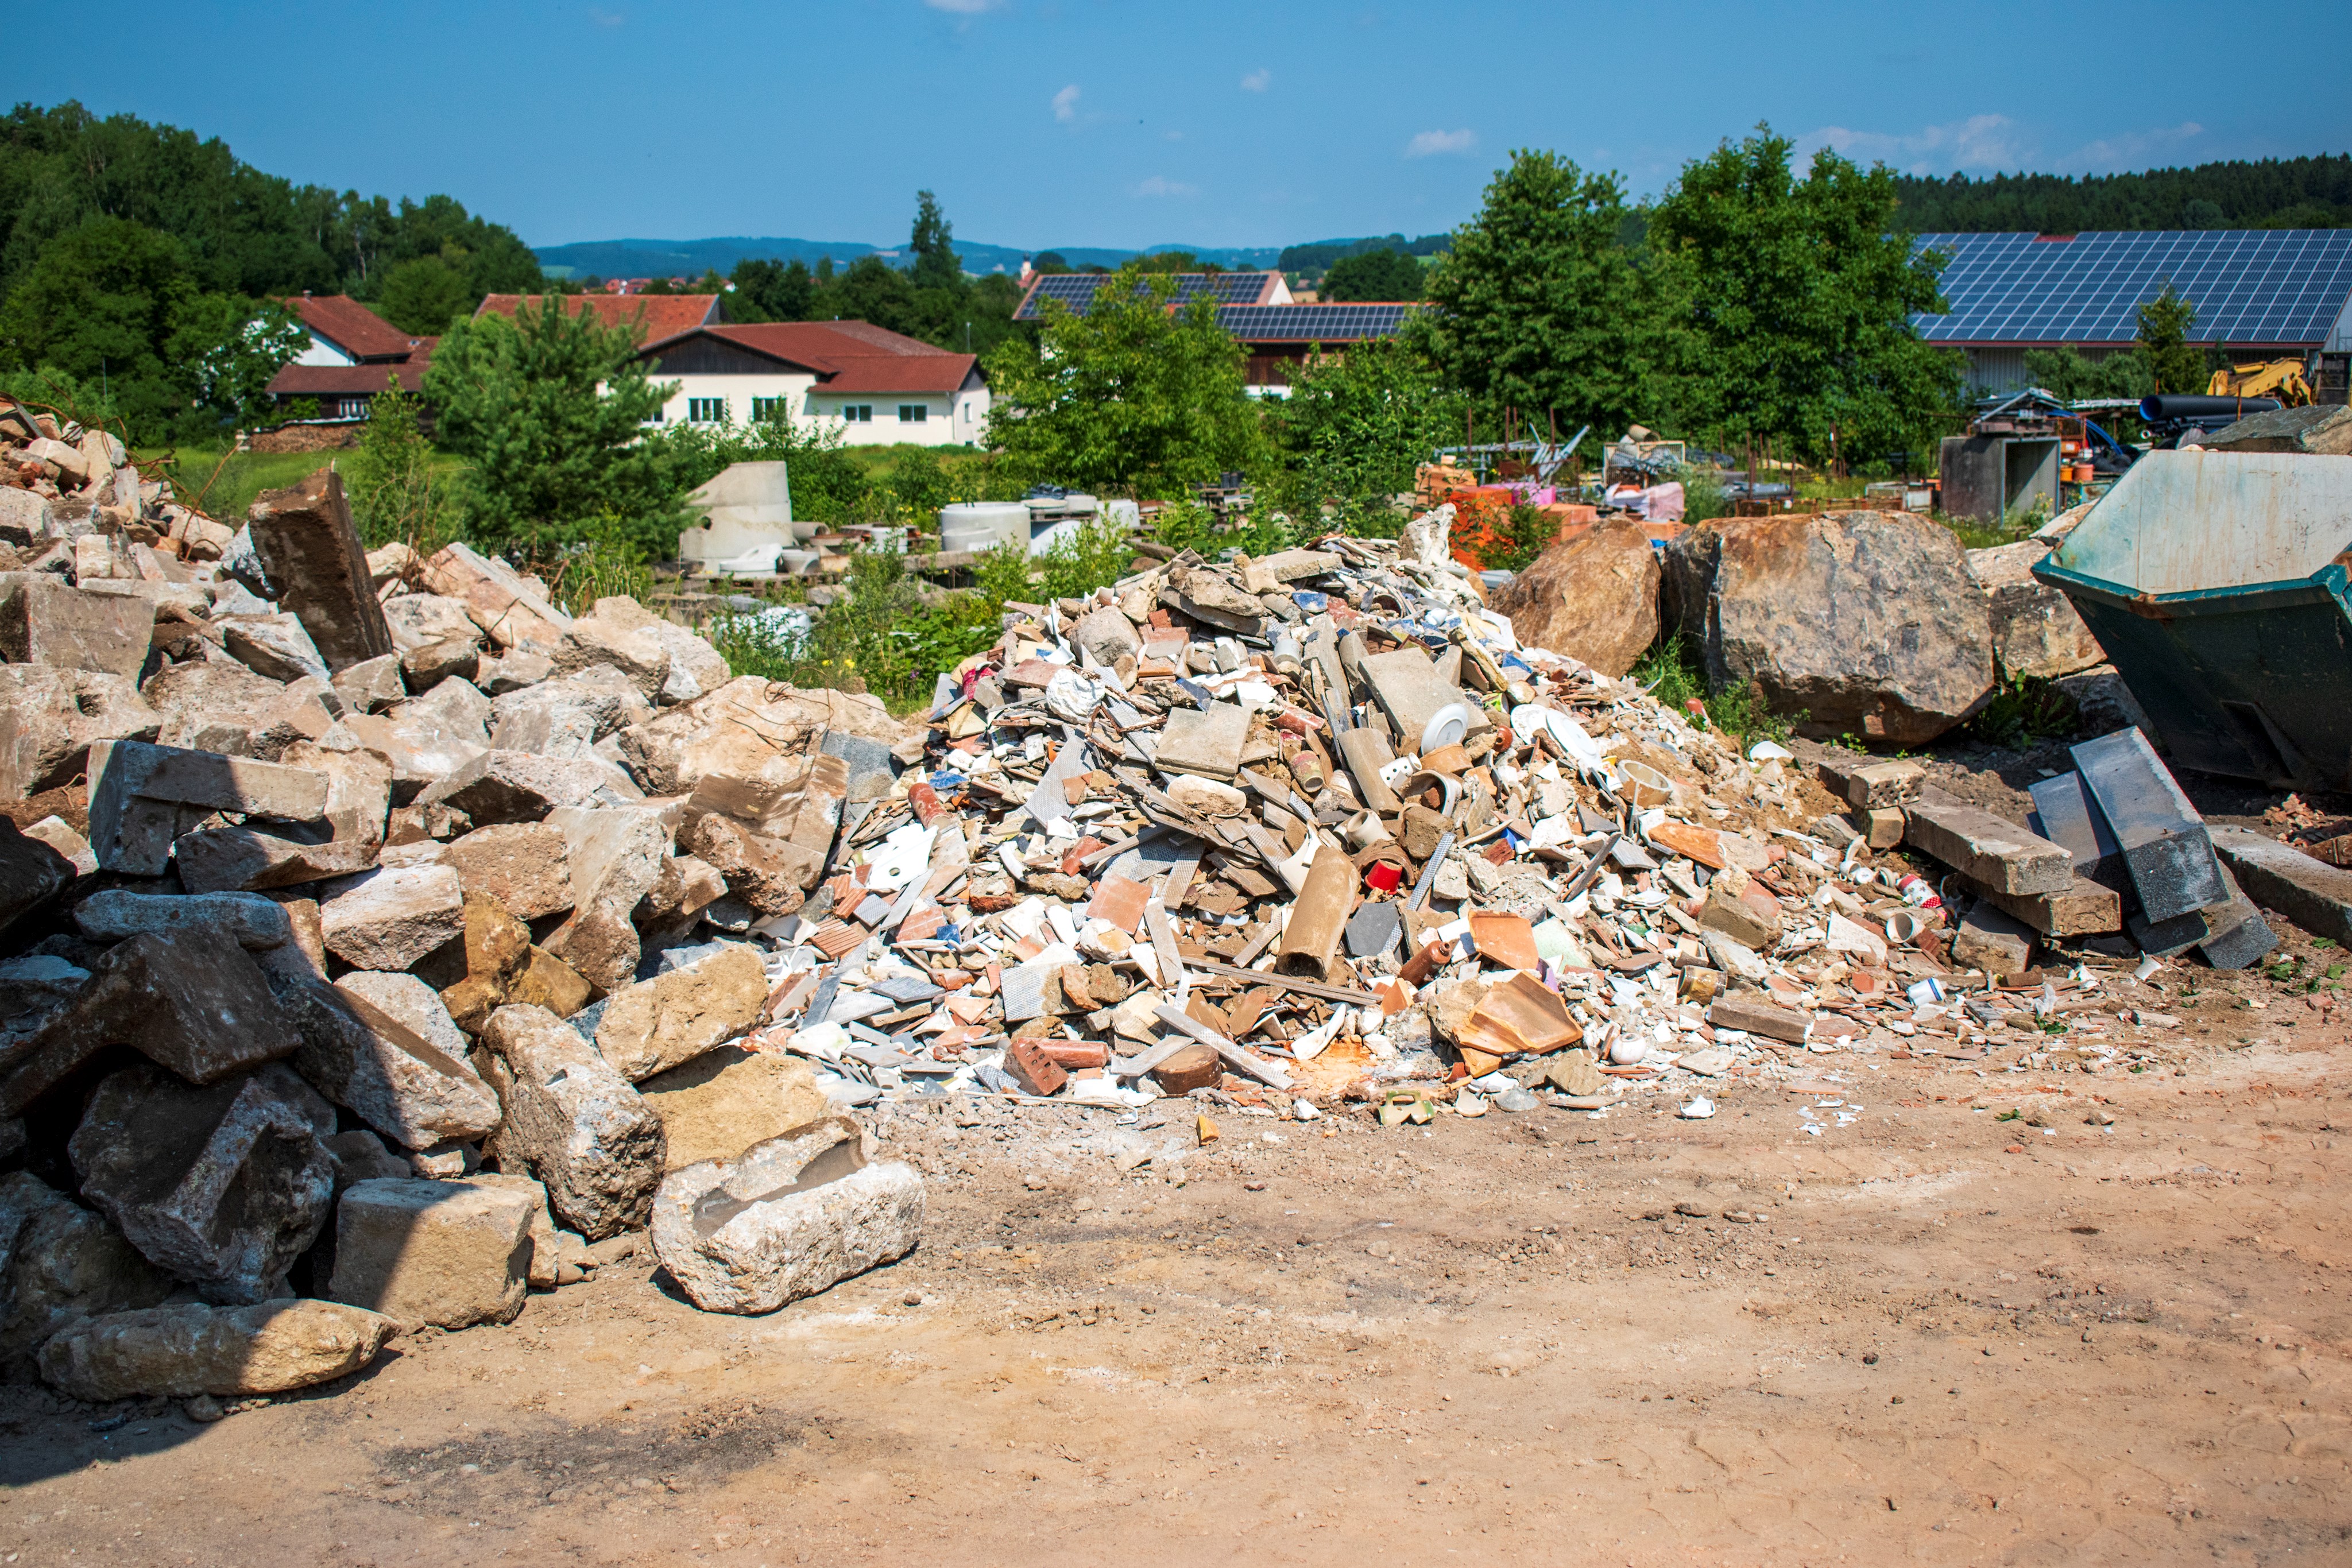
<point>314,558</point>
<point>617,854</point>
<point>32,872</point>
<point>1593,598</point>
<point>517,786</point>
<point>611,636</point>
<point>49,718</point>
<point>659,1024</point>
<point>496,950</point>
<point>372,685</point>
<point>548,1243</point>
<point>223,1185</point>
<point>2035,631</point>
<point>390,919</point>
<point>573,1121</point>
<point>60,1263</point>
<point>447,1254</point>
<point>499,599</point>
<point>1744,920</point>
<point>142,796</point>
<point>381,1047</point>
<point>787,1219</point>
<point>524,866</point>
<point>181,1351</point>
<point>44,620</point>
<point>726,1100</point>
<point>1993,940</point>
<point>1106,635</point>
<point>188,999</point>
<point>248,919</point>
<point>246,860</point>
<point>275,647</point>
<point>1867,621</point>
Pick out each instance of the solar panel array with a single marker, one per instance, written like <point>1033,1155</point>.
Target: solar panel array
<point>1312,323</point>
<point>2249,285</point>
<point>1076,290</point>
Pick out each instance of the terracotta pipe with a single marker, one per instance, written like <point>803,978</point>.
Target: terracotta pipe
<point>1311,941</point>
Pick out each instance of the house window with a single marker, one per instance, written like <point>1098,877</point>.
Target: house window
<point>767,410</point>
<point>914,413</point>
<point>967,411</point>
<point>858,413</point>
<point>706,410</point>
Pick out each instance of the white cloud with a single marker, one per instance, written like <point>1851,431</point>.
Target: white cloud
<point>1431,142</point>
<point>1065,104</point>
<point>1158,185</point>
<point>605,18</point>
<point>2132,149</point>
<point>964,7</point>
<point>1979,142</point>
<point>1258,80</point>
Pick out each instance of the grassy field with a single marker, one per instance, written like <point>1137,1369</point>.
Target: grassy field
<point>229,487</point>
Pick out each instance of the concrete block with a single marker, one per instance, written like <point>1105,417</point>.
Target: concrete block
<point>448,1254</point>
<point>1204,741</point>
<point>390,919</point>
<point>2309,891</point>
<point>2236,933</point>
<point>1993,940</point>
<point>1867,783</point>
<point>1976,843</point>
<point>313,556</point>
<point>2084,909</point>
<point>2160,835</point>
<point>525,867</point>
<point>44,620</point>
<point>142,796</point>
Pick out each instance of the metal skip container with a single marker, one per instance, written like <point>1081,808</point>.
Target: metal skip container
<point>2216,581</point>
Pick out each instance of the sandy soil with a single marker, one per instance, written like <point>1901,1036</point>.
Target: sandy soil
<point>1943,1337</point>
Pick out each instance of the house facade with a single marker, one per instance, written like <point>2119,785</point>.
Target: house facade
<point>875,388</point>
<point>353,354</point>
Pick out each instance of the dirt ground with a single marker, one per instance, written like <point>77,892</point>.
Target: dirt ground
<point>1927,1334</point>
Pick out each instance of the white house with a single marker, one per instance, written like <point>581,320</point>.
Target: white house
<point>876,387</point>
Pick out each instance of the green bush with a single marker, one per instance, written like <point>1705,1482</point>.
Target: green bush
<point>1672,672</point>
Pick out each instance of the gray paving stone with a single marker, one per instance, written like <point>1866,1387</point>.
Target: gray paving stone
<point>2162,838</point>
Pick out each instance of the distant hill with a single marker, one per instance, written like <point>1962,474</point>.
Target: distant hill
<point>692,258</point>
<point>2276,192</point>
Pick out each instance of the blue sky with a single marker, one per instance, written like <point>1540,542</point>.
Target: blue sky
<point>1211,122</point>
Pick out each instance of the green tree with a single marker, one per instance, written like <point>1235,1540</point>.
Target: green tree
<point>870,289</point>
<point>389,478</point>
<point>549,404</point>
<point>424,295</point>
<point>1137,396</point>
<point>936,266</point>
<point>1049,262</point>
<point>224,350</point>
<point>1377,275</point>
<point>1538,305</point>
<point>1356,426</point>
<point>1800,296</point>
<point>2176,365</point>
<point>2069,373</point>
<point>771,292</point>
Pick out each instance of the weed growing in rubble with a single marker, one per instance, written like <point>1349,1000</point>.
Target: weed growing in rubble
<point>2024,712</point>
<point>1672,673</point>
<point>598,566</point>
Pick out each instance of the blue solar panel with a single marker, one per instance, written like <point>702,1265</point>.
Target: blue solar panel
<point>1076,290</point>
<point>1312,323</point>
<point>2250,285</point>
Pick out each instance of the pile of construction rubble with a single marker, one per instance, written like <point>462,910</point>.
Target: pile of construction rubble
<point>382,942</point>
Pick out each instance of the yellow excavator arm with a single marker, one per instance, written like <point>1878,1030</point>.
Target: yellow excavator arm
<point>2281,379</point>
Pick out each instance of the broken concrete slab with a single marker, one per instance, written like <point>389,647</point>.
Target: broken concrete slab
<point>2084,909</point>
<point>44,620</point>
<point>525,867</point>
<point>1204,741</point>
<point>1995,852</point>
<point>664,1023</point>
<point>49,718</point>
<point>189,999</point>
<point>248,919</point>
<point>223,1187</point>
<point>143,797</point>
<point>788,1218</point>
<point>314,558</point>
<point>246,860</point>
<point>390,917</point>
<point>275,647</point>
<point>517,786</point>
<point>444,1254</point>
<point>2306,889</point>
<point>726,1100</point>
<point>1409,690</point>
<point>181,1351</point>
<point>2159,834</point>
<point>573,1121</point>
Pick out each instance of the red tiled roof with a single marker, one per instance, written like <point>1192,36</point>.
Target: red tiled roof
<point>345,381</point>
<point>654,315</point>
<point>351,326</point>
<point>850,356</point>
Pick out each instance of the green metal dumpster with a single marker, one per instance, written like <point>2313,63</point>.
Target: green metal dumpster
<point>2216,582</point>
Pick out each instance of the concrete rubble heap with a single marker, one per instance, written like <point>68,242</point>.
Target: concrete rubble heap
<point>380,943</point>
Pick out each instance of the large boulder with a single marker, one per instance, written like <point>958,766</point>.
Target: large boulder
<point>786,1219</point>
<point>180,1351</point>
<point>2035,631</point>
<point>664,1023</point>
<point>725,1101</point>
<point>572,1122</point>
<point>1593,598</point>
<point>223,1186</point>
<point>450,1254</point>
<point>1864,622</point>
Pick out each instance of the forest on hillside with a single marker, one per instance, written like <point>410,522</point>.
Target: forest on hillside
<point>2274,193</point>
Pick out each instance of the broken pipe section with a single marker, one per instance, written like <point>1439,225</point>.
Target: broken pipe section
<point>1312,939</point>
